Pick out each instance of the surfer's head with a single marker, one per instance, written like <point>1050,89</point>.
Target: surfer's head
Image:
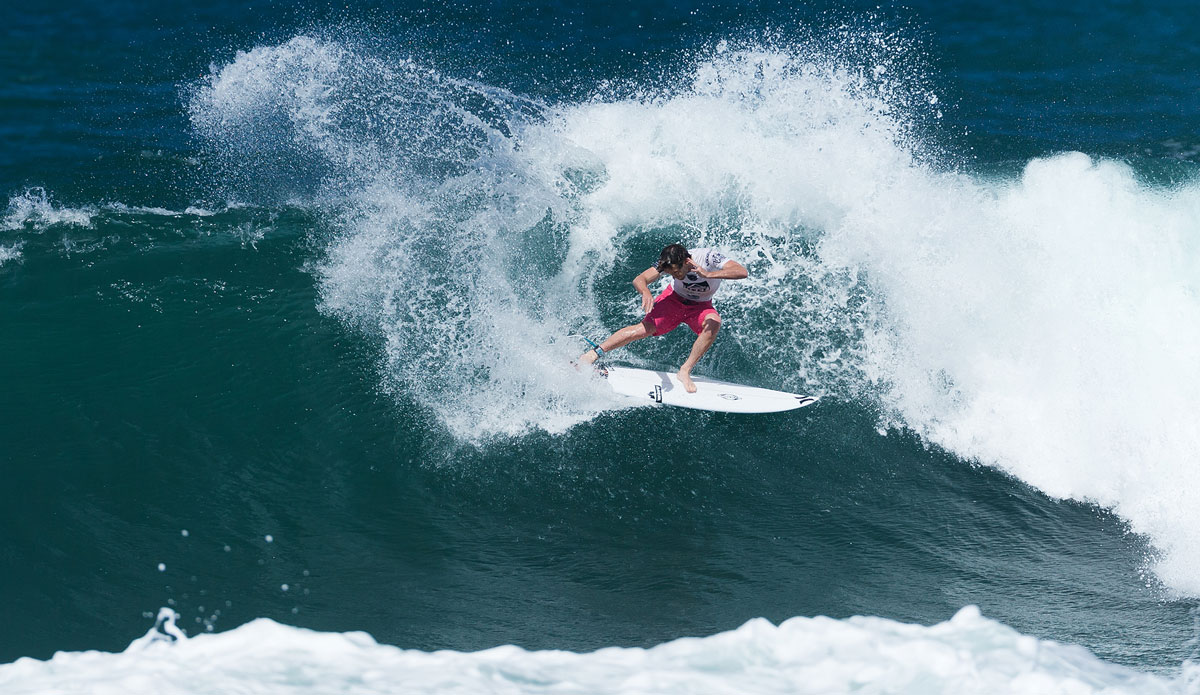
<point>673,260</point>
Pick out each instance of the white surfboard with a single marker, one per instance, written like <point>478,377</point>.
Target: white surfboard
<point>663,388</point>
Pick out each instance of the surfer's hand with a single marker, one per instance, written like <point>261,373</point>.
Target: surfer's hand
<point>692,267</point>
<point>647,303</point>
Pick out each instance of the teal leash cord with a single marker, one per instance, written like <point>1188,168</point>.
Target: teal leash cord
<point>595,346</point>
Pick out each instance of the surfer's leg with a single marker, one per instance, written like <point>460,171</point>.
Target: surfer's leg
<point>621,338</point>
<point>662,319</point>
<point>704,340</point>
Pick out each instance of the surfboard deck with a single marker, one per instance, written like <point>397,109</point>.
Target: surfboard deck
<point>663,388</point>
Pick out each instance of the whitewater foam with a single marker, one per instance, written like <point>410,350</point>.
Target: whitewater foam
<point>967,654</point>
<point>1044,326</point>
<point>10,253</point>
<point>34,209</point>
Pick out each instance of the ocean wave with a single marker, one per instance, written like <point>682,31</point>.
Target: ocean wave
<point>967,654</point>
<point>1043,325</point>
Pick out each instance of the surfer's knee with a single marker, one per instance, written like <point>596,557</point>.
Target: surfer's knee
<point>712,324</point>
<point>627,335</point>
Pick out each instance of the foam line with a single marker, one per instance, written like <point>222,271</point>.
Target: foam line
<point>967,654</point>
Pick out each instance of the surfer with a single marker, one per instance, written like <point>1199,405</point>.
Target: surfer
<point>688,299</point>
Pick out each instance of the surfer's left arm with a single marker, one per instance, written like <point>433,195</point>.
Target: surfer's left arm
<point>730,270</point>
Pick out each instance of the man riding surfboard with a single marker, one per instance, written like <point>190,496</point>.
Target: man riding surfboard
<point>688,299</point>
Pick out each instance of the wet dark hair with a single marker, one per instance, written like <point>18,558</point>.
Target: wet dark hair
<point>673,255</point>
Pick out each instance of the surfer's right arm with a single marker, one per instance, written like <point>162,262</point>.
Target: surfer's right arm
<point>642,284</point>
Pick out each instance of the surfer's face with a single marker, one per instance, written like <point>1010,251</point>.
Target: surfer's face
<point>676,271</point>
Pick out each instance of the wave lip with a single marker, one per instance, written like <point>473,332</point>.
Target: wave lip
<point>966,654</point>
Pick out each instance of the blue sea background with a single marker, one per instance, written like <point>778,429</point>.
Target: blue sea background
<point>287,294</point>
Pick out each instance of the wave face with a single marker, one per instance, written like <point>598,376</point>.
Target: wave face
<point>1040,324</point>
<point>967,654</point>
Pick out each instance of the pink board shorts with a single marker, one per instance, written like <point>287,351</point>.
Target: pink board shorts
<point>669,311</point>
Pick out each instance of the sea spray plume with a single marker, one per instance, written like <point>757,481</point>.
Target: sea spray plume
<point>471,241</point>
<point>424,201</point>
<point>313,118</point>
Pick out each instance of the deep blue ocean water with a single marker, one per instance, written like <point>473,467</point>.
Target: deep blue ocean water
<point>287,295</point>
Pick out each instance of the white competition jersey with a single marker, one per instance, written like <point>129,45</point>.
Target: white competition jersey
<point>695,288</point>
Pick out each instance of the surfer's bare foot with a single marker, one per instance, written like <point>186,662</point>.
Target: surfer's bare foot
<point>589,357</point>
<point>686,380</point>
